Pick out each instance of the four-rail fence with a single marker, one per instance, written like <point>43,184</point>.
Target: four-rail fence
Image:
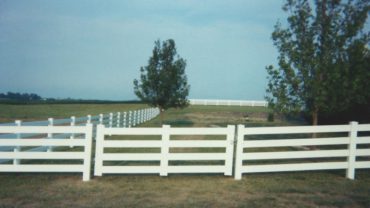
<point>166,144</point>
<point>119,119</point>
<point>47,136</point>
<point>257,149</point>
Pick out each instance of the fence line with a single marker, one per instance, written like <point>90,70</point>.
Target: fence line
<point>350,150</point>
<point>84,155</point>
<point>109,119</point>
<point>258,149</point>
<point>252,103</point>
<point>98,119</point>
<point>165,156</point>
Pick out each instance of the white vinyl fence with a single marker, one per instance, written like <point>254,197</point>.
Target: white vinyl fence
<point>165,156</point>
<point>48,138</point>
<point>180,150</point>
<point>338,152</point>
<point>252,103</point>
<point>118,119</point>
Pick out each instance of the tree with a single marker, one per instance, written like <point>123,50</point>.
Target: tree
<point>323,58</point>
<point>20,96</point>
<point>163,82</point>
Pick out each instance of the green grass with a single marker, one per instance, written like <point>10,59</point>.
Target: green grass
<point>292,189</point>
<point>301,189</point>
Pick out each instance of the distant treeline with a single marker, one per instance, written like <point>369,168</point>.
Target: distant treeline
<point>20,96</point>
<point>32,98</point>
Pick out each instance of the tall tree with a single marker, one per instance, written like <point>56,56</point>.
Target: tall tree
<point>163,82</point>
<point>323,57</point>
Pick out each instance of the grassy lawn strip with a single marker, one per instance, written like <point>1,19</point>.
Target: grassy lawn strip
<point>289,189</point>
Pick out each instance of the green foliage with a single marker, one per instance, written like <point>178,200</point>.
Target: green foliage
<point>324,59</point>
<point>163,82</point>
<point>16,96</point>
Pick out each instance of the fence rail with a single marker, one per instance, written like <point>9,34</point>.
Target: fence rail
<point>165,156</point>
<point>252,103</point>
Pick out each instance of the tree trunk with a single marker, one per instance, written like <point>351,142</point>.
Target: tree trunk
<point>315,117</point>
<point>161,115</point>
<point>315,121</point>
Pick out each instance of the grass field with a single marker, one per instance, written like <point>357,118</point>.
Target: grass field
<point>9,113</point>
<point>295,189</point>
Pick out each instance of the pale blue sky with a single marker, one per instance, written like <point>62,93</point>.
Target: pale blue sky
<point>93,49</point>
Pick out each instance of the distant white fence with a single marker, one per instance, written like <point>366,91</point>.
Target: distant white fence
<point>229,102</point>
<point>165,155</point>
<point>348,150</point>
<point>47,140</point>
<point>113,119</point>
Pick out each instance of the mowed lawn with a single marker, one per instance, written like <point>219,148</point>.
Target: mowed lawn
<point>293,189</point>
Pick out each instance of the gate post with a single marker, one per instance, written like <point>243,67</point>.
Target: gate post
<point>87,151</point>
<point>99,150</point>
<point>229,150</point>
<point>239,153</point>
<point>165,150</point>
<point>351,159</point>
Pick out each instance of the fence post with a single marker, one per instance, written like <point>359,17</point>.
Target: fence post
<point>147,114</point>
<point>134,120</point>
<point>101,118</point>
<point>18,136</point>
<point>110,120</point>
<point>165,150</point>
<point>118,119</point>
<point>124,119</point>
<point>129,118</point>
<point>50,135</point>
<point>88,119</point>
<point>99,150</point>
<point>142,116</point>
<point>351,159</point>
<point>138,117</point>
<point>230,138</point>
<point>73,123</point>
<point>239,153</point>
<point>87,150</point>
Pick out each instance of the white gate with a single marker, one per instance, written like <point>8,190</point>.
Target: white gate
<point>220,150</point>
